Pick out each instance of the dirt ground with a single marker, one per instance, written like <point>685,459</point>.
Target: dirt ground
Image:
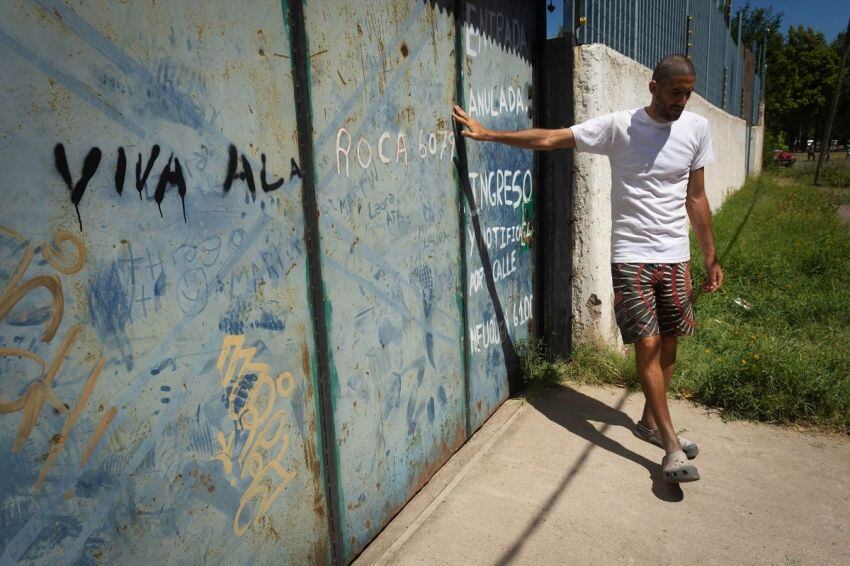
<point>562,480</point>
<point>844,213</point>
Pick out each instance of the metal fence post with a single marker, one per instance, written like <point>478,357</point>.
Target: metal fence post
<point>708,56</point>
<point>635,27</point>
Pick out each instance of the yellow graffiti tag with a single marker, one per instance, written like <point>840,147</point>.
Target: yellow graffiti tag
<point>56,256</point>
<point>15,291</point>
<point>261,457</point>
<point>40,390</point>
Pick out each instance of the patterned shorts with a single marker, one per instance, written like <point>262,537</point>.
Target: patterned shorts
<point>652,299</point>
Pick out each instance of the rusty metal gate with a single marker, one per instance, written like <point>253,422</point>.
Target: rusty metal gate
<point>254,289</point>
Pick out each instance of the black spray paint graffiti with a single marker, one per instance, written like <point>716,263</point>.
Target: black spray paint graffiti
<point>247,174</point>
<point>142,179</point>
<point>167,177</point>
<point>89,167</point>
<point>171,175</point>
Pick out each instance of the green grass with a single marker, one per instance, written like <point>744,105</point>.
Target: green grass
<point>834,181</point>
<point>836,173</point>
<point>787,358</point>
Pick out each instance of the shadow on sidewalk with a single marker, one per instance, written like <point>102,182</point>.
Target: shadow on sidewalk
<point>576,412</point>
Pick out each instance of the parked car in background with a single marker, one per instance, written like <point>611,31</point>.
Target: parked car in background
<point>784,158</point>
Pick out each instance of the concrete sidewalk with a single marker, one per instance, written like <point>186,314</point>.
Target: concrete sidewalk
<point>562,480</point>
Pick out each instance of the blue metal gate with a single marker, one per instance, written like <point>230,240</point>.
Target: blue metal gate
<point>246,312</point>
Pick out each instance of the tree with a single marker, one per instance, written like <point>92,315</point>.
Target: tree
<point>841,127</point>
<point>801,72</point>
<point>800,84</point>
<point>756,24</point>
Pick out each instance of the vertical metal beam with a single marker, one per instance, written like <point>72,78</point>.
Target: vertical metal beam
<point>708,55</point>
<point>621,27</point>
<point>605,21</point>
<point>460,15</point>
<point>725,67</point>
<point>556,105</point>
<point>306,156</point>
<point>740,21</point>
<point>652,40</point>
<point>593,25</point>
<point>635,30</point>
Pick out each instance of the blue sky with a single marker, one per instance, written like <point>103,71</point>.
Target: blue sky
<point>828,16</point>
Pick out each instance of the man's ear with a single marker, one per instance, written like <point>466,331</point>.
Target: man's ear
<point>653,86</point>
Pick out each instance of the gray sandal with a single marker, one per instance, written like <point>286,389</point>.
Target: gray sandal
<point>652,436</point>
<point>677,469</point>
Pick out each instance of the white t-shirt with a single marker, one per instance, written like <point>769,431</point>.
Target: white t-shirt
<point>650,167</point>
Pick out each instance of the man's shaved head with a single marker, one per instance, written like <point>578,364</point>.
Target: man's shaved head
<point>672,83</point>
<point>672,66</point>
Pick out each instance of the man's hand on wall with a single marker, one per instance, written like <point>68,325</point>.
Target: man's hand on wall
<point>474,130</point>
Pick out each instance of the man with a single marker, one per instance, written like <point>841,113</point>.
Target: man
<point>657,155</point>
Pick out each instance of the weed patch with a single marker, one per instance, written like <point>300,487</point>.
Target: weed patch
<point>587,365</point>
<point>786,358</point>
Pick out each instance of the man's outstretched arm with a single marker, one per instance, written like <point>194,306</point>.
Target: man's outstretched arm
<point>534,138</point>
<point>700,215</point>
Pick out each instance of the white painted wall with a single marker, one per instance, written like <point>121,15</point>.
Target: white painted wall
<point>606,81</point>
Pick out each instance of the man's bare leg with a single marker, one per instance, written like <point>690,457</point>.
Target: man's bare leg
<point>668,365</point>
<point>652,381</point>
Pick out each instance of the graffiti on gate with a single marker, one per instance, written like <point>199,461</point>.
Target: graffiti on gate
<point>67,255</point>
<point>171,175</point>
<point>250,397</point>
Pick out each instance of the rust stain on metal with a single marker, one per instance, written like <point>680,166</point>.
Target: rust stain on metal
<point>406,116</point>
<point>305,363</point>
<point>311,458</point>
<point>425,469</point>
<point>267,525</point>
<point>319,552</point>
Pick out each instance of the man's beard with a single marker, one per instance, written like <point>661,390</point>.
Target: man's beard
<point>670,115</point>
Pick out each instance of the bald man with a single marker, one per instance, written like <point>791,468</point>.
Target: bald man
<point>658,154</point>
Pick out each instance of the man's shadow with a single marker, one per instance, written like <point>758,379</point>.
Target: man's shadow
<point>576,412</point>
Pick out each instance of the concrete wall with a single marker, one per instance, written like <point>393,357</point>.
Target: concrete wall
<point>606,81</point>
<point>756,149</point>
<point>235,269</point>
